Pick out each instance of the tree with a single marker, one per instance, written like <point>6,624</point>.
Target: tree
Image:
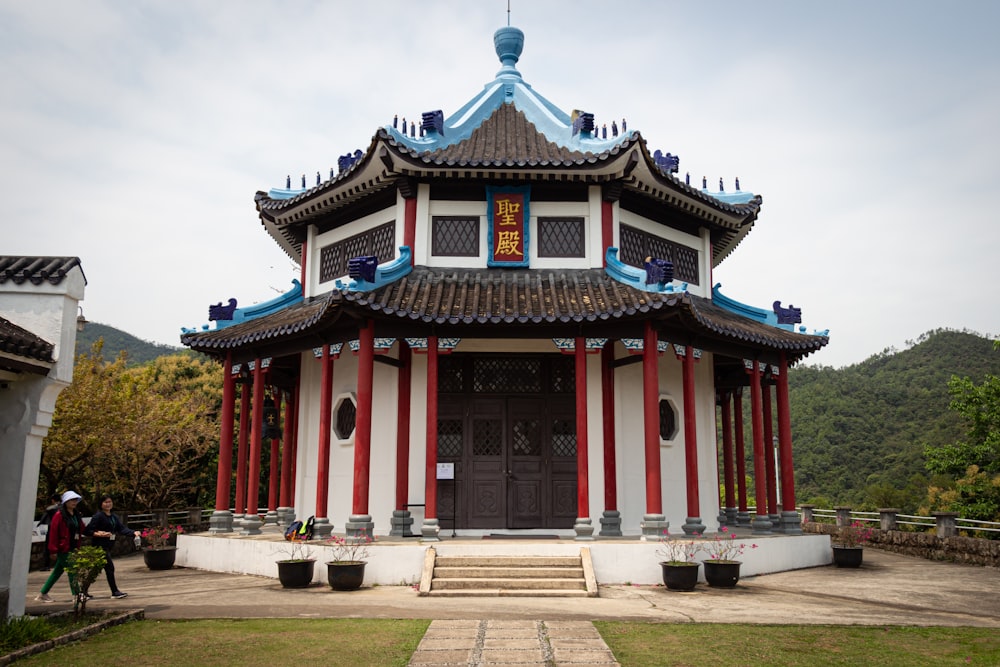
<point>143,434</point>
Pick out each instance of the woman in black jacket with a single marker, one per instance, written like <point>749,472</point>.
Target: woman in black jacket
<point>103,528</point>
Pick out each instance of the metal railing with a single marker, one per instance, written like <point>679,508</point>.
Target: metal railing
<point>946,524</point>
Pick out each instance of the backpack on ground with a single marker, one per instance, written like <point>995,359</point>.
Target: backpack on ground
<point>305,531</point>
<point>292,531</point>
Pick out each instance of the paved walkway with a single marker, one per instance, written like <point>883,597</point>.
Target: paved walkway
<point>888,590</point>
<point>512,644</point>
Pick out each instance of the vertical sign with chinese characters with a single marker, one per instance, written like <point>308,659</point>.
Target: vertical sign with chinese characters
<point>508,225</point>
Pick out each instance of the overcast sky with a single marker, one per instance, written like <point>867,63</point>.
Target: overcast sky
<point>134,135</point>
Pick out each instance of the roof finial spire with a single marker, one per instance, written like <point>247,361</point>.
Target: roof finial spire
<point>508,13</point>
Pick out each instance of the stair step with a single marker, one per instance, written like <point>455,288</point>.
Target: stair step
<point>508,593</point>
<point>464,572</point>
<point>507,561</point>
<point>515,583</point>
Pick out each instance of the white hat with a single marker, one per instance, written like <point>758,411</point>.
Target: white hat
<point>70,495</point>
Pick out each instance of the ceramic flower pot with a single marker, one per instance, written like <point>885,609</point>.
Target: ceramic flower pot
<point>680,576</point>
<point>722,573</point>
<point>847,556</point>
<point>161,558</point>
<point>346,575</point>
<point>295,573</point>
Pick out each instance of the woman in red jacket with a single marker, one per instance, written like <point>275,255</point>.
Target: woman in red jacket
<point>66,527</point>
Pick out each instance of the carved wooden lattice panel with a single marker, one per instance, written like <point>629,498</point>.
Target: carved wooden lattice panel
<point>454,237</point>
<point>563,437</point>
<point>561,237</point>
<point>449,438</point>
<point>636,246</point>
<point>487,437</point>
<point>378,241</point>
<point>507,376</point>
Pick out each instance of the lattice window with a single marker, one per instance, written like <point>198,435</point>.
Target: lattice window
<point>526,440</point>
<point>637,245</point>
<point>379,241</point>
<point>449,439</point>
<point>487,437</point>
<point>668,420</point>
<point>561,237</point>
<point>563,378</point>
<point>563,437</point>
<point>507,376</point>
<point>450,377</point>
<point>454,237</point>
<point>347,417</point>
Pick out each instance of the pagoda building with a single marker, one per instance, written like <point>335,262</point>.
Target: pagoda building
<point>505,321</point>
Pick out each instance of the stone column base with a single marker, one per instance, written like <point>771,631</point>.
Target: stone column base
<point>400,524</point>
<point>742,518</point>
<point>693,526</point>
<point>251,525</point>
<point>761,525</point>
<point>584,528</point>
<point>611,524</point>
<point>731,516</point>
<point>221,521</point>
<point>322,527</point>
<point>429,530</point>
<point>286,515</point>
<point>653,526</point>
<point>775,520</point>
<point>791,523</point>
<point>271,518</point>
<point>360,525</point>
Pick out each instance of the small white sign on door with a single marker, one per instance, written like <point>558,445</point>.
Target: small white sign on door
<point>446,471</point>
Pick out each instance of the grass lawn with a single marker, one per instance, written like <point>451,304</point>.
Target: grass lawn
<point>361,642</point>
<point>641,644</point>
<point>387,642</point>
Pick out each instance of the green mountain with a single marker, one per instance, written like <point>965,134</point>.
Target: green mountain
<point>115,340</point>
<point>859,432</point>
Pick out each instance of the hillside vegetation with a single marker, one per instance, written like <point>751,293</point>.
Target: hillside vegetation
<point>115,340</point>
<point>859,432</point>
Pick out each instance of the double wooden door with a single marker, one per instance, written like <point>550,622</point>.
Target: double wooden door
<point>514,459</point>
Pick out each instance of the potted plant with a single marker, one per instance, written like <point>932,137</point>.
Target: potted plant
<point>848,550</point>
<point>346,569</point>
<point>722,569</point>
<point>297,570</point>
<point>680,570</point>
<point>160,551</point>
<point>83,566</point>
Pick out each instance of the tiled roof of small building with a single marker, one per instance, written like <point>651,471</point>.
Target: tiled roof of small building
<point>36,270</point>
<point>484,297</point>
<point>15,340</point>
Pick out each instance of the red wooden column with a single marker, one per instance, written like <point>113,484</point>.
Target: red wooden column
<point>611,522</point>
<point>360,520</point>
<point>653,523</point>
<point>583,526</point>
<point>252,522</point>
<point>768,415</point>
<point>742,512</point>
<point>241,452</point>
<point>285,511</point>
<point>222,520</point>
<point>274,467</point>
<point>607,229</point>
<point>431,528</point>
<point>790,521</point>
<point>323,462</point>
<point>728,457</point>
<point>692,523</point>
<point>760,523</point>
<point>401,515</point>
<point>410,225</point>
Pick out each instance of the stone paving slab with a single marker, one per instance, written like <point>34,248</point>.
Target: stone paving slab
<point>513,642</point>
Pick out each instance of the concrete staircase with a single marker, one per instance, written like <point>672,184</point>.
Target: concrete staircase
<point>508,576</point>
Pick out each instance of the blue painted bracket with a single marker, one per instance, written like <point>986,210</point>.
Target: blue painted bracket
<point>289,298</point>
<point>283,193</point>
<point>635,277</point>
<point>386,273</point>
